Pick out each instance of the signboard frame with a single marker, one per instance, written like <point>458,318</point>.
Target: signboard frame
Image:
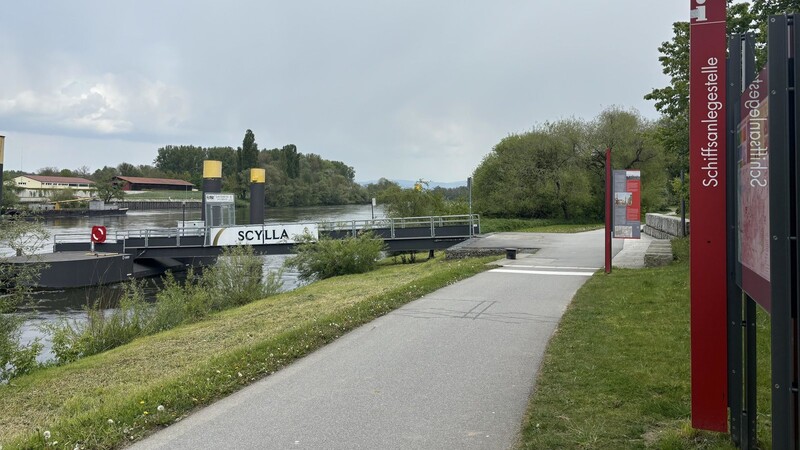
<point>264,234</point>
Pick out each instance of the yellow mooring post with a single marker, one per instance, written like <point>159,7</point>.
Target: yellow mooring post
<point>212,181</point>
<point>258,179</point>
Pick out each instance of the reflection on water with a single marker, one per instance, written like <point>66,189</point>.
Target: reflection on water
<point>50,306</point>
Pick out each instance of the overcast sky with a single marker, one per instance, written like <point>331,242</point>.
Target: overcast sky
<point>402,89</point>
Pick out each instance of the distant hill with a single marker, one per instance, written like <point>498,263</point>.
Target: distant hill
<point>432,184</point>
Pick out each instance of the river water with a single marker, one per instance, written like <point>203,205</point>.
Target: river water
<point>53,305</point>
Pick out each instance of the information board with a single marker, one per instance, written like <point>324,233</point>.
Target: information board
<point>753,183</point>
<point>627,204</point>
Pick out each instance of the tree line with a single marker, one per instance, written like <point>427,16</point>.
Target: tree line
<point>293,178</point>
<point>557,169</point>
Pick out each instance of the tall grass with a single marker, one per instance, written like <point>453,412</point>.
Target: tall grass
<point>235,280</point>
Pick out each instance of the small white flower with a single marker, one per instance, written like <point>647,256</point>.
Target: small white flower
<point>160,408</point>
<point>46,434</point>
<point>111,421</point>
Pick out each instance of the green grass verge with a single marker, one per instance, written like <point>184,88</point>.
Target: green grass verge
<point>493,225</point>
<point>616,373</point>
<point>165,195</point>
<point>111,399</point>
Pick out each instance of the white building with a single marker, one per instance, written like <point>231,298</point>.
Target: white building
<point>40,188</point>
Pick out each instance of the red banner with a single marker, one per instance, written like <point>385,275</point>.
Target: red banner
<point>707,43</point>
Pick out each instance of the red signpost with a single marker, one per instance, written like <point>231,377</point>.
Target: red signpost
<point>608,210</point>
<point>708,237</point>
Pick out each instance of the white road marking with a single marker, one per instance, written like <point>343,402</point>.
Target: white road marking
<point>543,272</point>
<point>551,267</point>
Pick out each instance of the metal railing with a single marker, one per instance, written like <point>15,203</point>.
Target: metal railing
<point>351,226</point>
<point>117,237</point>
<point>393,224</point>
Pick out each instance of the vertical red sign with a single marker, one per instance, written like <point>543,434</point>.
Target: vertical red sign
<point>707,43</point>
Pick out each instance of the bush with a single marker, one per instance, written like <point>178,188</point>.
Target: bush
<point>328,257</point>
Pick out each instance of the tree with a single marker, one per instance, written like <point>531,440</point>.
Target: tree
<point>635,144</point>
<point>538,174</point>
<point>412,202</point>
<point>249,155</point>
<point>127,169</point>
<point>49,172</point>
<point>184,161</point>
<point>107,189</point>
<point>673,100</point>
<point>10,197</point>
<point>82,171</point>
<point>105,172</point>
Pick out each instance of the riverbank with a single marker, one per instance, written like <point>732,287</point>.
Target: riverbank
<point>114,398</point>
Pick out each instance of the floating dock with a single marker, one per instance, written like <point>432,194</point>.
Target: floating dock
<point>144,253</point>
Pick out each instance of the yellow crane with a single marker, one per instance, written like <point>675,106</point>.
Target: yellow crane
<point>59,202</point>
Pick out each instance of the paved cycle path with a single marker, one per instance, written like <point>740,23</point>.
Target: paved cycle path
<point>453,370</point>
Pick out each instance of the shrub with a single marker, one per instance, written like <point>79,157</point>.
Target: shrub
<point>236,279</point>
<point>328,257</point>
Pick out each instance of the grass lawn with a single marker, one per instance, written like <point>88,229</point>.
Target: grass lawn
<point>164,195</point>
<point>114,398</point>
<point>492,225</point>
<point>616,373</point>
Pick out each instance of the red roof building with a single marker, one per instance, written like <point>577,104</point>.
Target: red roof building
<point>150,184</point>
<point>60,181</point>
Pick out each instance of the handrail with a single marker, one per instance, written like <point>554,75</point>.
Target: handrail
<point>351,226</point>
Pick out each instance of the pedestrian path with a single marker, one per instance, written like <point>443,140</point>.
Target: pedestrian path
<point>452,370</point>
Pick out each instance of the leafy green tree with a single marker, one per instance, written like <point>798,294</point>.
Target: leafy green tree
<point>10,194</point>
<point>225,155</point>
<point>61,195</point>
<point>249,151</point>
<point>49,172</point>
<point>539,174</point>
<point>106,173</point>
<point>180,161</point>
<point>107,190</point>
<point>412,202</point>
<point>127,169</point>
<point>673,100</point>
<point>635,144</point>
